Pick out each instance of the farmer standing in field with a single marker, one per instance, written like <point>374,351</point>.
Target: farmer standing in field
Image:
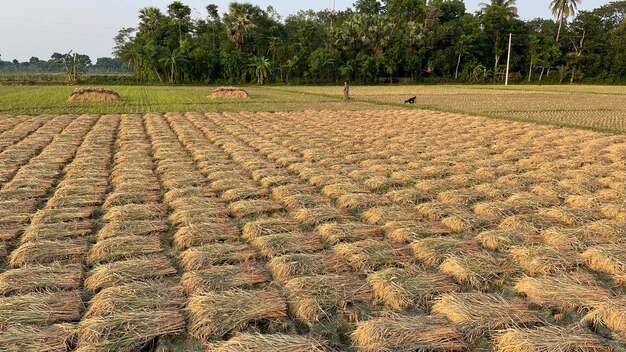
<point>346,92</point>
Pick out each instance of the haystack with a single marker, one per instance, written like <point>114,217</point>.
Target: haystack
<point>407,333</point>
<point>93,94</point>
<point>230,93</point>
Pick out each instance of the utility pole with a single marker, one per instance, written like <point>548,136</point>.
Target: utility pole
<point>508,61</point>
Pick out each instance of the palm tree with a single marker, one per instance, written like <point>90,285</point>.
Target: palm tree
<point>172,61</point>
<point>240,23</point>
<point>508,5</point>
<point>262,67</point>
<point>149,18</point>
<point>562,9</point>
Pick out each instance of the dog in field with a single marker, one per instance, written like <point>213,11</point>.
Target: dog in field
<point>410,100</point>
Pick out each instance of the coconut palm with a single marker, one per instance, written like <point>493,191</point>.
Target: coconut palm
<point>172,61</point>
<point>508,5</point>
<point>563,9</point>
<point>240,22</point>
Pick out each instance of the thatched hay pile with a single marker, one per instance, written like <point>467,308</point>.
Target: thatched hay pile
<point>230,93</point>
<point>93,94</point>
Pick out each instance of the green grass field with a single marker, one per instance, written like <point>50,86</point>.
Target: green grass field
<point>595,107</point>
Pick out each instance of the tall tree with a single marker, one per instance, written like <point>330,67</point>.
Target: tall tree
<point>508,5</point>
<point>562,9</point>
<point>240,22</point>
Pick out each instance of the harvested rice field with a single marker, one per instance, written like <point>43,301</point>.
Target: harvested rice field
<point>376,230</point>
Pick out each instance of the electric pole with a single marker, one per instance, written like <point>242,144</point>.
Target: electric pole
<point>508,61</point>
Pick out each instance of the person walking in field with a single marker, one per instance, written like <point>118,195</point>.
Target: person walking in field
<point>346,92</point>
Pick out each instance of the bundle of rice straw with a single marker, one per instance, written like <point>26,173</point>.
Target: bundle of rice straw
<point>611,314</point>
<point>268,226</point>
<point>118,273</point>
<point>197,258</point>
<point>407,333</point>
<point>369,255</point>
<point>333,233</point>
<point>543,260</point>
<point>479,270</point>
<point>317,298</point>
<point>566,292</point>
<point>272,342</point>
<point>128,331</point>
<point>136,296</point>
<point>290,266</point>
<point>41,308</point>
<point>224,277</point>
<point>479,313</point>
<point>215,314</point>
<point>572,338</point>
<point>405,288</point>
<point>53,338</point>
<point>38,277</point>
<point>287,243</point>
<point>205,233</point>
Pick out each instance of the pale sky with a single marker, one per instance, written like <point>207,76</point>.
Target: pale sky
<point>41,27</point>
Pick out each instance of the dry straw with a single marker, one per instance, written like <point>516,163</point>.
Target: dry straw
<point>269,226</point>
<point>127,271</point>
<point>206,233</point>
<point>216,314</point>
<point>132,227</point>
<point>432,251</point>
<point>53,338</point>
<point>406,288</point>
<point>146,296</point>
<point>543,260</point>
<point>410,230</point>
<point>369,255</point>
<point>224,277</point>
<point>317,298</point>
<point>123,247</point>
<point>480,313</point>
<point>382,215</point>
<point>132,212</point>
<point>41,278</point>
<point>272,342</point>
<point>43,252</point>
<point>479,270</point>
<point>290,266</point>
<point>317,215</point>
<point>609,258</point>
<point>57,231</point>
<point>407,333</point>
<point>198,258</point>
<point>40,308</point>
<point>333,233</point>
<point>361,201</point>
<point>244,208</point>
<point>287,243</point>
<point>611,314</point>
<point>128,331</point>
<point>568,292</point>
<point>572,338</point>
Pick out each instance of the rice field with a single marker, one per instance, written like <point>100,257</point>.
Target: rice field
<point>402,230</point>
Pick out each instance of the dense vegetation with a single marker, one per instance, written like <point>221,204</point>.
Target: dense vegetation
<point>64,63</point>
<point>378,40</point>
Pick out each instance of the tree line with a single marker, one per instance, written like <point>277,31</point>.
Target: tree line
<point>377,41</point>
<point>70,63</point>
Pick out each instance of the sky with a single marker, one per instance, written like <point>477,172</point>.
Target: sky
<point>40,27</point>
